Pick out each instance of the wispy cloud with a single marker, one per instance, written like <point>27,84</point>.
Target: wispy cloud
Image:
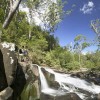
<point>87,8</point>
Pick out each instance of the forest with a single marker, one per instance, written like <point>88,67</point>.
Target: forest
<point>43,47</point>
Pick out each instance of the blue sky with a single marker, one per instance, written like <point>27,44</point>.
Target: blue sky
<point>78,22</point>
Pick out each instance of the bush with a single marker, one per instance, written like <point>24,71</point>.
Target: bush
<point>73,65</point>
<point>89,64</point>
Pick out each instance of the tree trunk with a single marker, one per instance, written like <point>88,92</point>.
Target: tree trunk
<point>29,36</point>
<point>11,13</point>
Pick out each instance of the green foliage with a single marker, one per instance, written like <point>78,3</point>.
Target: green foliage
<point>89,64</point>
<point>73,65</point>
<point>44,48</point>
<point>58,57</point>
<point>51,60</point>
<point>95,24</point>
<point>29,92</point>
<point>3,9</point>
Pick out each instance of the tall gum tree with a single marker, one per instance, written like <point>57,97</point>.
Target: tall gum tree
<point>14,4</point>
<point>50,18</point>
<point>80,44</point>
<point>95,24</point>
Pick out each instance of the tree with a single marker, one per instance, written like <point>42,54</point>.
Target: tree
<point>10,8</point>
<point>52,42</point>
<point>13,7</point>
<point>53,11</point>
<point>80,44</point>
<point>95,24</point>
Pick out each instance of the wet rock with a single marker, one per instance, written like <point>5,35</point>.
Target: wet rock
<point>29,92</point>
<point>6,94</point>
<point>79,75</point>
<point>98,96</point>
<point>66,96</point>
<point>94,97</point>
<point>51,79</point>
<point>32,78</point>
<point>54,84</point>
<point>90,76</point>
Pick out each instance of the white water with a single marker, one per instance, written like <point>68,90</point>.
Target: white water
<point>76,82</point>
<point>67,83</point>
<point>43,80</point>
<point>44,85</point>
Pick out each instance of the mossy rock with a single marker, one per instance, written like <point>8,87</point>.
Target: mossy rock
<point>29,92</point>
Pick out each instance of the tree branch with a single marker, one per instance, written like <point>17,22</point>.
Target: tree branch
<point>11,14</point>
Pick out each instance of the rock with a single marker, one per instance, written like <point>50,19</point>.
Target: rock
<point>32,77</point>
<point>54,84</point>
<point>98,96</point>
<point>9,61</point>
<point>11,73</point>
<point>6,93</point>
<point>66,96</point>
<point>29,92</point>
<point>90,76</point>
<point>51,79</point>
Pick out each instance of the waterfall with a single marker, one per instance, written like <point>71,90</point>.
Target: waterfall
<point>43,80</point>
<point>68,84</point>
<point>74,84</point>
<point>44,85</point>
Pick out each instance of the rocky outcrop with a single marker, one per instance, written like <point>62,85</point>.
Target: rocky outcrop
<point>98,96</point>
<point>90,76</point>
<point>6,94</point>
<point>51,79</point>
<point>66,96</point>
<point>32,87</point>
<point>11,73</point>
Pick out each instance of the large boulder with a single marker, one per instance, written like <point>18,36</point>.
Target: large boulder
<point>6,94</point>
<point>90,76</point>
<point>7,55</point>
<point>98,96</point>
<point>50,79</point>
<point>32,87</point>
<point>11,73</point>
<point>65,96</point>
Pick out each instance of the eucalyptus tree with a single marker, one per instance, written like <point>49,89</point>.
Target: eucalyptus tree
<point>13,6</point>
<point>8,7</point>
<point>48,11</point>
<point>80,44</point>
<point>95,24</point>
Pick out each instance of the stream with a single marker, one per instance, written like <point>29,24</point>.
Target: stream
<point>68,84</point>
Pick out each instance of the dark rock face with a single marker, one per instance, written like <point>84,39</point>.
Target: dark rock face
<point>67,96</point>
<point>98,96</point>
<point>3,82</point>
<point>51,79</point>
<point>90,76</point>
<point>10,63</point>
<point>11,73</point>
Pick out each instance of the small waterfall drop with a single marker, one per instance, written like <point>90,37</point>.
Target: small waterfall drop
<point>75,84</point>
<point>43,80</point>
<point>44,85</point>
<point>68,84</point>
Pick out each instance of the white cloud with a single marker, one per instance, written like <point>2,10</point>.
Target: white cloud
<point>90,4</point>
<point>87,8</point>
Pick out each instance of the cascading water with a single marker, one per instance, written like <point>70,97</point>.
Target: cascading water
<point>43,80</point>
<point>68,84</point>
<point>44,85</point>
<point>72,84</point>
